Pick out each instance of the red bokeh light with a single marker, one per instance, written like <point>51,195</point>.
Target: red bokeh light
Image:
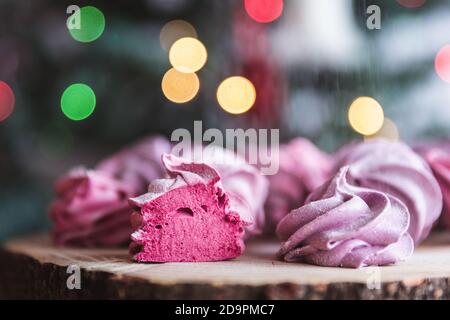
<point>412,3</point>
<point>442,63</point>
<point>264,11</point>
<point>7,101</point>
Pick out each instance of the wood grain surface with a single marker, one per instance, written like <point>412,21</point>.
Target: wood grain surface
<point>32,267</point>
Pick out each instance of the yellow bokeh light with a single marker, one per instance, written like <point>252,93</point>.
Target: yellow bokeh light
<point>180,87</point>
<point>236,95</point>
<point>366,116</point>
<point>188,55</point>
<point>388,131</point>
<point>174,30</point>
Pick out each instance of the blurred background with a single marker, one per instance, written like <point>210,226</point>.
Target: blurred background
<point>307,66</point>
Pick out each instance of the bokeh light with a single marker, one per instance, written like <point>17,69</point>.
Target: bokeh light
<point>180,87</point>
<point>442,63</point>
<point>78,101</point>
<point>7,101</point>
<point>264,11</point>
<point>188,55</point>
<point>175,30</point>
<point>412,3</point>
<point>388,131</point>
<point>236,95</point>
<point>366,116</point>
<point>91,27</point>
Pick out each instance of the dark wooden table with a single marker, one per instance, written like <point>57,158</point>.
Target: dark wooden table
<point>33,268</point>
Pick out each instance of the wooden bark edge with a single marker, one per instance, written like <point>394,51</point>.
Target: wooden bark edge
<point>24,277</point>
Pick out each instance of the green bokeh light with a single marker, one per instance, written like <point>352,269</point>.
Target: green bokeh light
<point>86,24</point>
<point>78,101</point>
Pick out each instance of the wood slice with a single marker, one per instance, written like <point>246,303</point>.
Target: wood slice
<point>33,268</point>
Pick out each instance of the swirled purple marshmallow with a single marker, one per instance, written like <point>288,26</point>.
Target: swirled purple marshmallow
<point>381,201</point>
<point>395,169</point>
<point>343,225</point>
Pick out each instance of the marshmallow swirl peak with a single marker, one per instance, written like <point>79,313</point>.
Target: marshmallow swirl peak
<point>395,169</point>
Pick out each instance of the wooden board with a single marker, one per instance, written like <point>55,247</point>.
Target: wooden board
<point>33,268</point>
